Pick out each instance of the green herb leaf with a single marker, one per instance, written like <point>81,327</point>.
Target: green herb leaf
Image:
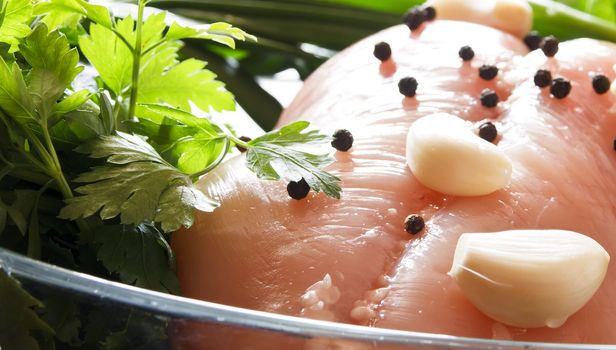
<point>20,326</point>
<point>72,102</point>
<point>186,118</point>
<point>20,208</point>
<point>291,135</point>
<point>82,124</point>
<point>194,144</point>
<point>136,254</point>
<point>62,315</point>
<point>86,122</point>
<point>109,55</point>
<point>220,32</point>
<point>270,158</point>
<point>53,67</point>
<point>164,79</point>
<point>16,216</point>
<point>132,184</point>
<point>270,161</point>
<point>14,96</point>
<point>142,332</point>
<point>70,12</point>
<point>605,9</point>
<point>107,117</point>
<point>16,16</point>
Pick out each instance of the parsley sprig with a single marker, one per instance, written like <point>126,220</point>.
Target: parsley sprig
<point>97,178</point>
<point>153,151</point>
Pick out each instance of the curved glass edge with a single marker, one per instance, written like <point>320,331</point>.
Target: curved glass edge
<point>174,306</point>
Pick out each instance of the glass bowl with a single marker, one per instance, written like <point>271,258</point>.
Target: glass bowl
<point>194,324</point>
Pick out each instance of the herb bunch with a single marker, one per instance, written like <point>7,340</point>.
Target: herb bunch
<point>96,178</point>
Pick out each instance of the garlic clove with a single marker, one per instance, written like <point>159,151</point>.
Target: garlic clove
<point>512,16</point>
<point>529,278</point>
<point>446,156</point>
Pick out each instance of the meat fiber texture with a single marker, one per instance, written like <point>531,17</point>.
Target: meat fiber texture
<point>350,260</point>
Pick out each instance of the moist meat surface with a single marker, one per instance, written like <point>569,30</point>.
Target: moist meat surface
<point>263,250</point>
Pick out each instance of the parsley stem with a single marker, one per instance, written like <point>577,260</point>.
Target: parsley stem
<point>136,62</point>
<point>34,237</point>
<point>117,108</point>
<point>58,173</point>
<point>238,142</point>
<point>35,177</point>
<point>19,147</point>
<point>47,164</point>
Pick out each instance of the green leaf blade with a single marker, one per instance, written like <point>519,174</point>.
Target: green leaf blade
<point>15,98</point>
<point>18,321</point>
<point>137,255</point>
<point>136,184</point>
<point>272,156</point>
<point>54,66</point>
<point>109,55</point>
<point>15,24</point>
<point>220,32</point>
<point>270,161</point>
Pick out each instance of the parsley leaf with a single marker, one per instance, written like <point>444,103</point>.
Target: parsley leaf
<point>14,96</point>
<point>139,255</point>
<point>291,135</point>
<point>72,102</point>
<point>132,184</point>
<point>143,331</point>
<point>68,13</point>
<point>63,316</point>
<point>109,55</point>
<point>165,79</point>
<point>162,78</point>
<point>53,67</point>
<point>195,143</point>
<point>15,18</point>
<point>270,157</point>
<point>20,326</point>
<point>219,32</point>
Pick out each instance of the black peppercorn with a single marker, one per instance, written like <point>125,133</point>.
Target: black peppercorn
<point>245,139</point>
<point>560,88</point>
<point>543,78</point>
<point>408,86</point>
<point>413,224</point>
<point>382,51</point>
<point>488,98</point>
<point>429,13</point>
<point>614,144</point>
<point>342,140</point>
<point>549,46</point>
<point>487,131</point>
<point>466,53</point>
<point>414,18</point>
<point>298,189</point>
<point>487,72</point>
<point>600,83</point>
<point>532,40</point>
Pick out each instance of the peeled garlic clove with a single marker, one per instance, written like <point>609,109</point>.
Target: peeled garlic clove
<point>512,16</point>
<point>446,156</point>
<point>529,278</point>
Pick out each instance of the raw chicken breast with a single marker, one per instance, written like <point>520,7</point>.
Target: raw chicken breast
<point>564,177</point>
<point>350,260</point>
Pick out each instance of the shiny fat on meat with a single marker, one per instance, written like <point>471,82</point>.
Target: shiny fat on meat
<point>350,260</point>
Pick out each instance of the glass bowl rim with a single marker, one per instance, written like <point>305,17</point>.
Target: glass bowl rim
<point>197,310</point>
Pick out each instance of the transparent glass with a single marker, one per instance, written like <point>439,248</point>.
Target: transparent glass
<point>193,324</point>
